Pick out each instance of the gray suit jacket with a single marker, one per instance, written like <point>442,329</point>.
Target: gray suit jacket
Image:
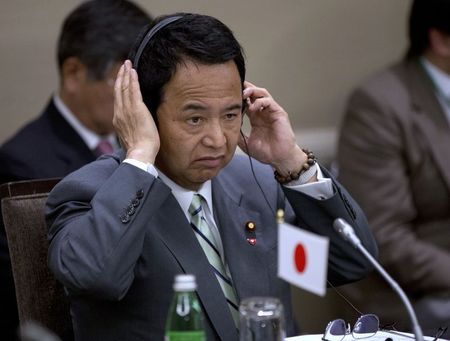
<point>118,237</point>
<point>394,158</point>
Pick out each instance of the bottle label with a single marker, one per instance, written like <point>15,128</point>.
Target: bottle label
<point>196,335</point>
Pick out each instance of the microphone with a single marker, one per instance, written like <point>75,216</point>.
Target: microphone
<point>346,231</point>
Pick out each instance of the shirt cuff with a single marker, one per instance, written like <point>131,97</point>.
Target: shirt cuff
<point>146,167</point>
<point>321,189</point>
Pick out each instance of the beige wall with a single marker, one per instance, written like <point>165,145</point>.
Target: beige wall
<point>308,53</point>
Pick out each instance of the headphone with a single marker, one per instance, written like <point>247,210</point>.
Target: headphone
<point>155,29</point>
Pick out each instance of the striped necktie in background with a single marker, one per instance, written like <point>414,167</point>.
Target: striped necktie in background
<point>207,241</point>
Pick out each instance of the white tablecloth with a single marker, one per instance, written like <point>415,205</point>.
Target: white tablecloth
<point>379,336</point>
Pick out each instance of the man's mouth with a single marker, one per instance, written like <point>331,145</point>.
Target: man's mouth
<point>210,161</point>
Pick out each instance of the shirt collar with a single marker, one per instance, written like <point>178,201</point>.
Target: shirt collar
<point>88,136</point>
<point>440,78</point>
<point>184,196</point>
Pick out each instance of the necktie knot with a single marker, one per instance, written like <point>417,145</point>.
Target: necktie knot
<point>196,205</point>
<point>103,147</point>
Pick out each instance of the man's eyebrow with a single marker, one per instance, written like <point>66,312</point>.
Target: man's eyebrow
<point>201,107</point>
<point>194,106</point>
<point>237,106</point>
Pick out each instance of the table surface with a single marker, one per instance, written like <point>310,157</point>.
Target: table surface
<point>379,336</point>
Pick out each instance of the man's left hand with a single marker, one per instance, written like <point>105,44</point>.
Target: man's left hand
<point>271,139</point>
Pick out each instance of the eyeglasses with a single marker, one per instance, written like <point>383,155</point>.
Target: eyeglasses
<point>441,331</point>
<point>366,326</point>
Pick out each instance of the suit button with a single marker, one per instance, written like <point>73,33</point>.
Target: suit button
<point>130,210</point>
<point>135,202</point>
<point>140,194</point>
<point>124,218</point>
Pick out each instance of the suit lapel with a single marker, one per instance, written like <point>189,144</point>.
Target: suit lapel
<point>69,146</point>
<point>430,118</point>
<point>177,234</point>
<point>248,270</point>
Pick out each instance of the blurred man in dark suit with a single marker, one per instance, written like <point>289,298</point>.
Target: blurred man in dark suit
<point>394,157</point>
<point>76,125</point>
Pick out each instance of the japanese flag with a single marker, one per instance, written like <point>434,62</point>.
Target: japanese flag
<point>302,258</point>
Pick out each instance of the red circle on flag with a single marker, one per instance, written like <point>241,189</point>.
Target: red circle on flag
<point>300,258</point>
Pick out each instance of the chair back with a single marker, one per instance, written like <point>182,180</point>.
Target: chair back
<point>40,298</point>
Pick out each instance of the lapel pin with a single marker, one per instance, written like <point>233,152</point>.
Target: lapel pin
<point>250,226</point>
<point>251,241</point>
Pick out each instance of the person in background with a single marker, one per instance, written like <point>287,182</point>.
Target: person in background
<point>394,158</point>
<point>177,199</point>
<point>76,125</point>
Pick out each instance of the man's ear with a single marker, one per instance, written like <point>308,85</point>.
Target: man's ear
<point>73,74</point>
<point>439,42</point>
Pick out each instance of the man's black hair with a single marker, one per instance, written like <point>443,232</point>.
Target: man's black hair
<point>424,15</point>
<point>100,33</point>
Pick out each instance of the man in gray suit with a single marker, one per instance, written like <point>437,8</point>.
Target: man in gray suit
<point>119,227</point>
<point>394,157</point>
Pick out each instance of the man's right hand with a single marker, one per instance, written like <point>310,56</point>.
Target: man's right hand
<point>132,120</point>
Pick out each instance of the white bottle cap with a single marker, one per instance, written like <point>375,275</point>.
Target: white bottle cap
<point>184,282</point>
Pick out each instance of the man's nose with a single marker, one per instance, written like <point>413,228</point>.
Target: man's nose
<point>214,135</point>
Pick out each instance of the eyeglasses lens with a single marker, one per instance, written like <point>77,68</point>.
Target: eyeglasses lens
<point>366,326</point>
<point>335,331</point>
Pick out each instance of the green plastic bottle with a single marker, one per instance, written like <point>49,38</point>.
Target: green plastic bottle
<point>185,317</point>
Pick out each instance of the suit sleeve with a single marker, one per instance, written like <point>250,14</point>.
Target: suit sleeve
<point>374,168</point>
<point>96,226</point>
<point>345,264</point>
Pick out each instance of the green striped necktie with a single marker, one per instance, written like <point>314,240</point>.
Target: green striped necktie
<point>208,243</point>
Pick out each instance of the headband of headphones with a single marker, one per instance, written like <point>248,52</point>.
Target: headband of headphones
<point>159,26</point>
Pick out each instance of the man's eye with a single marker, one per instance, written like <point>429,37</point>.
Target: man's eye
<point>194,120</point>
<point>230,116</point>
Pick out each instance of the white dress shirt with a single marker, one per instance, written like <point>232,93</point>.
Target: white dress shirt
<point>441,82</point>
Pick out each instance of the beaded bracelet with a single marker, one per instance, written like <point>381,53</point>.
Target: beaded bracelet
<point>294,176</point>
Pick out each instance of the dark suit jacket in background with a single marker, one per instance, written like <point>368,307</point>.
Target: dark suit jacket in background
<point>46,147</point>
<point>394,158</point>
<point>118,237</point>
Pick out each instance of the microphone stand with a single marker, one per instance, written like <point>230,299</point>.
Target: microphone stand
<point>347,232</point>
